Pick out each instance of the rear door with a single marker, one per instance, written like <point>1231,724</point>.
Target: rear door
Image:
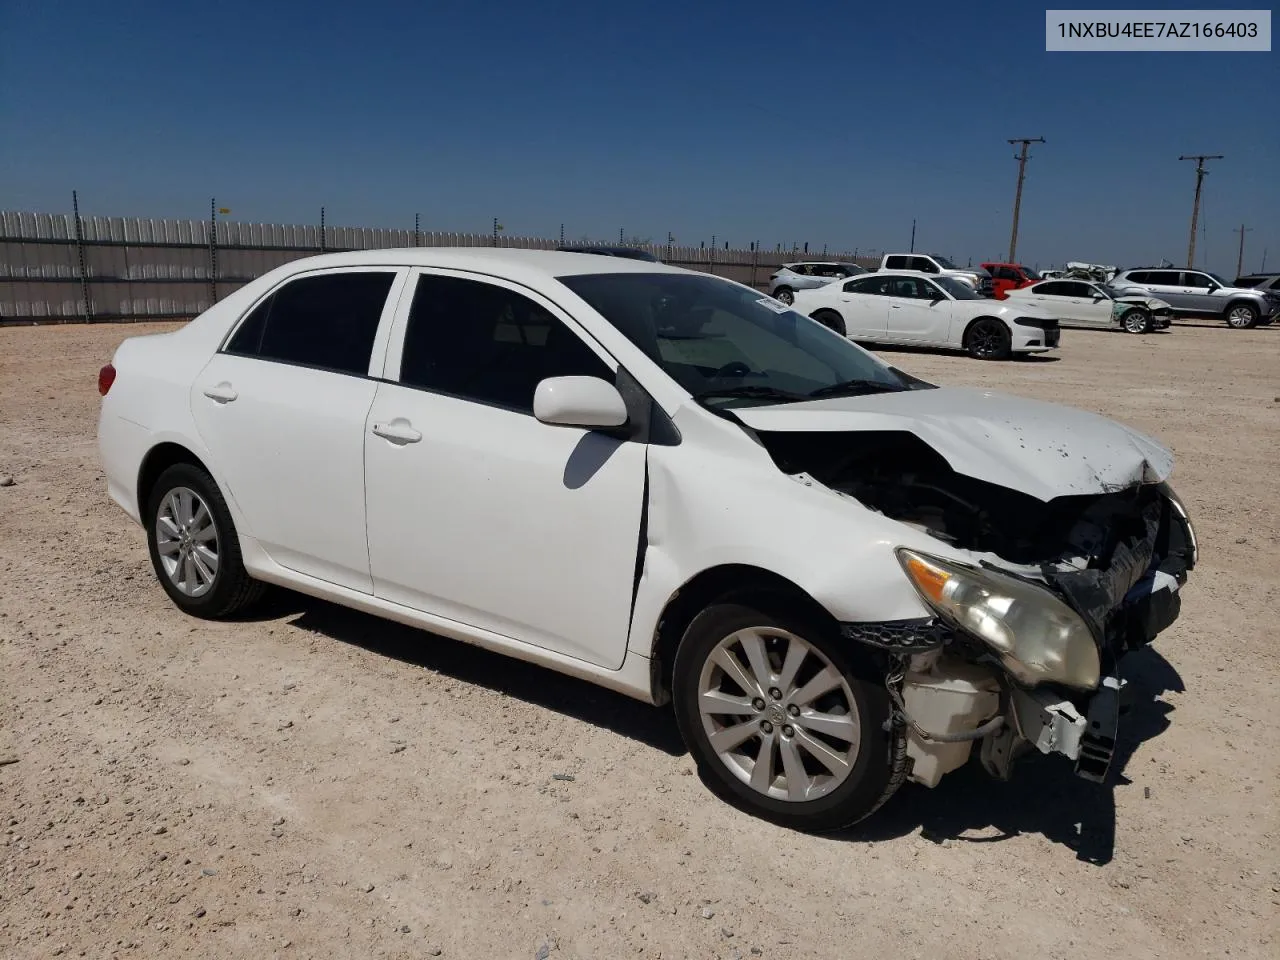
<point>864,304</point>
<point>1168,286</point>
<point>282,408</point>
<point>1072,301</point>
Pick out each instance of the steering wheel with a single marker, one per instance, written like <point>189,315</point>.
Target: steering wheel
<point>735,369</point>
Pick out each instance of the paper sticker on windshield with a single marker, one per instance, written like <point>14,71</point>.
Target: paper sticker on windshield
<point>777,306</point>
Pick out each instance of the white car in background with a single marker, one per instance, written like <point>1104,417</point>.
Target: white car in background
<point>668,484</point>
<point>1086,304</point>
<point>916,309</point>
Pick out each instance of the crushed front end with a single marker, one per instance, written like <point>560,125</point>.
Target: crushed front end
<point>1030,630</point>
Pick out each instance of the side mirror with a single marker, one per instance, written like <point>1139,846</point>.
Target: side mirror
<point>1098,298</point>
<point>579,402</point>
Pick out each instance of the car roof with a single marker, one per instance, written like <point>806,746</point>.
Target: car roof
<point>512,263</point>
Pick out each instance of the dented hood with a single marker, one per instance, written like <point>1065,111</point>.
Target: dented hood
<point>1041,449</point>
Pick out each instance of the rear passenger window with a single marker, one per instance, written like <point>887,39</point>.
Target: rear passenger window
<point>871,285</point>
<point>327,321</point>
<point>485,343</point>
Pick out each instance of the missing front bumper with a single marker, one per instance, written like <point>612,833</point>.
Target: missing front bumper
<point>1053,725</point>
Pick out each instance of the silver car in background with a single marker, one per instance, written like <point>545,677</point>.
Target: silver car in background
<point>1198,293</point>
<point>807,275</point>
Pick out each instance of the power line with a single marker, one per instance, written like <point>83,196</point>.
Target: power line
<point>1199,158</point>
<point>1017,199</point>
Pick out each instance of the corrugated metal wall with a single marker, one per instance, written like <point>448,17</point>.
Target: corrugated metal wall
<point>139,269</point>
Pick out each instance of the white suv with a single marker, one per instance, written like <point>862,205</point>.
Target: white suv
<point>670,485</point>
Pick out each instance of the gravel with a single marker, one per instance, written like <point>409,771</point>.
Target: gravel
<point>107,686</point>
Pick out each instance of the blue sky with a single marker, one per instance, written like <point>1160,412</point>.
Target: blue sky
<point>831,123</point>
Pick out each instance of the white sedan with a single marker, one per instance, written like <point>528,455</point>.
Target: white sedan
<point>909,308</point>
<point>661,481</point>
<point>1087,304</point>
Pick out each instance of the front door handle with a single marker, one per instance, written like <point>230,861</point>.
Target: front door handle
<point>222,393</point>
<point>398,431</point>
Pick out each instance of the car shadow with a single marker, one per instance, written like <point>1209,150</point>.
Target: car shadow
<point>533,684</point>
<point>1044,795</point>
<point>938,352</point>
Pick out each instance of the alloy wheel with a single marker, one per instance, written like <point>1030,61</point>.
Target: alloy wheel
<point>778,714</point>
<point>1240,317</point>
<point>986,341</point>
<point>187,541</point>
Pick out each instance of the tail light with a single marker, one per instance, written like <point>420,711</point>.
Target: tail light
<point>106,377</point>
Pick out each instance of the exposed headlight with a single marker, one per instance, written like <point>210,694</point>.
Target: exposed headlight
<point>1037,637</point>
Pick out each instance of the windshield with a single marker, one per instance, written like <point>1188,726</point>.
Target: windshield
<point>1220,281</point>
<point>957,288</point>
<point>1031,274</point>
<point>944,263</point>
<point>728,344</point>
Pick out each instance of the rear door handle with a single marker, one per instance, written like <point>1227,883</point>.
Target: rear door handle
<point>222,393</point>
<point>398,431</point>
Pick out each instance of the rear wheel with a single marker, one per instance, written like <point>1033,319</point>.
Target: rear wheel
<point>784,295</point>
<point>832,320</point>
<point>1241,316</point>
<point>193,545</point>
<point>784,721</point>
<point>988,339</point>
<point>1136,321</point>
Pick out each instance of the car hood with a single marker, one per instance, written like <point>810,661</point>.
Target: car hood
<point>1042,449</point>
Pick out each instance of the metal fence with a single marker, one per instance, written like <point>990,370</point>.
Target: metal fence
<point>63,268</point>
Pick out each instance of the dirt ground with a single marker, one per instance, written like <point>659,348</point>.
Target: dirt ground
<point>319,783</point>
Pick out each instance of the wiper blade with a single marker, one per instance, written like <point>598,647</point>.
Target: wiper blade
<point>848,388</point>
<point>751,390</point>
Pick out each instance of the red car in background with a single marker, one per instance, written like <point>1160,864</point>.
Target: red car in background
<point>1009,276</point>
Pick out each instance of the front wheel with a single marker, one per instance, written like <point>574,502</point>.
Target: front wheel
<point>1241,316</point>
<point>988,339</point>
<point>193,545</point>
<point>1136,321</point>
<point>784,721</point>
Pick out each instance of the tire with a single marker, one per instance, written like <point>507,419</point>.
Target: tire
<point>1240,316</point>
<point>831,320</point>
<point>988,339</point>
<point>801,792</point>
<point>785,295</point>
<point>1136,321</point>
<point>214,584</point>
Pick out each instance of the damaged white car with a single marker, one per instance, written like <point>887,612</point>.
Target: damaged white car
<point>663,482</point>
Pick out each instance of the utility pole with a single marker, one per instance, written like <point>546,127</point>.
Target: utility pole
<point>1242,230</point>
<point>1017,198</point>
<point>1199,158</point>
<point>913,234</point>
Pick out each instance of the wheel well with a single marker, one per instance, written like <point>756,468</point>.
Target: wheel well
<point>974,322</point>
<point>159,459</point>
<point>740,582</point>
<point>1241,302</point>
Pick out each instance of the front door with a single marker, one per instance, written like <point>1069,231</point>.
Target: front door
<point>1072,301</point>
<point>282,408</point>
<point>480,513</point>
<point>918,312</point>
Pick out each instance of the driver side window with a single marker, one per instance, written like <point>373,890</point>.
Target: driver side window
<point>485,343</point>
